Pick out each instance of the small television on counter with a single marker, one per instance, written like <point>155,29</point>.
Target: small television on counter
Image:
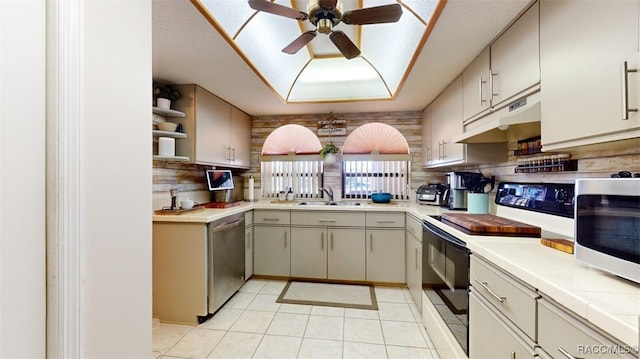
<point>219,179</point>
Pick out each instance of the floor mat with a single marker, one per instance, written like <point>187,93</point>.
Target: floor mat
<point>329,295</point>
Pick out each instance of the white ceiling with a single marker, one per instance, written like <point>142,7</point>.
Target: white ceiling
<point>187,49</point>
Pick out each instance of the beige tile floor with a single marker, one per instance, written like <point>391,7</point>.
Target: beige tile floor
<point>253,325</point>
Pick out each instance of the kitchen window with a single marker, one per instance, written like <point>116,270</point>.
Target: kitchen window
<point>361,177</point>
<point>304,177</point>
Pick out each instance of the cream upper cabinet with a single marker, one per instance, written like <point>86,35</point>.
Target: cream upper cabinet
<point>219,133</point>
<point>446,122</point>
<point>583,48</point>
<point>427,148</point>
<point>515,59</point>
<point>240,138</point>
<point>475,89</point>
<point>506,70</point>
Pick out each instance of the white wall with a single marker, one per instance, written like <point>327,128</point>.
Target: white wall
<point>116,174</point>
<point>22,180</point>
<point>99,179</point>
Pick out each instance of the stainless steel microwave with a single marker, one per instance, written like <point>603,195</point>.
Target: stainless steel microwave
<point>607,225</point>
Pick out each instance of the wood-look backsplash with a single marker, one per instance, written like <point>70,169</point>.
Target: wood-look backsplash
<point>598,161</point>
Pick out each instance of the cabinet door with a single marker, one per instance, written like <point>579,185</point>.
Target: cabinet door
<point>475,86</point>
<point>240,140</point>
<point>490,336</point>
<point>248,252</point>
<point>559,333</point>
<point>211,129</point>
<point>583,45</point>
<point>515,58</point>
<point>385,255</point>
<point>272,250</point>
<point>446,123</point>
<point>414,268</point>
<point>346,258</point>
<point>427,142</point>
<point>309,252</point>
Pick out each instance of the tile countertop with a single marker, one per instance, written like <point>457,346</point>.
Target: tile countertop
<point>608,302</point>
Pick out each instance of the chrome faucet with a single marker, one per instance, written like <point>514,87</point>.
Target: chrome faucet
<point>329,192</point>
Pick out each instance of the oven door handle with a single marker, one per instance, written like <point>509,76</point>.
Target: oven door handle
<point>486,287</point>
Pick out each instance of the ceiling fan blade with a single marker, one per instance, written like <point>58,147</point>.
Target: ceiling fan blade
<point>300,42</point>
<point>344,44</point>
<point>327,5</point>
<point>373,15</point>
<point>276,9</point>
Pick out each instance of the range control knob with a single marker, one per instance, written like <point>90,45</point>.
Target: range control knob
<point>564,196</point>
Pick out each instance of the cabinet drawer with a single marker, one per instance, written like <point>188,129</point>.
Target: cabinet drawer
<point>328,218</point>
<point>248,218</point>
<point>414,227</point>
<point>385,219</point>
<point>271,217</point>
<point>516,301</point>
<point>559,331</point>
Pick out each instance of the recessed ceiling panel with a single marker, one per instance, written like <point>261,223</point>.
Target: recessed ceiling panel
<point>318,71</point>
<point>338,79</point>
<point>262,39</point>
<point>390,47</point>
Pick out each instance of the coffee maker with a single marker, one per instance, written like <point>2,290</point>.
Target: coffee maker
<point>456,196</point>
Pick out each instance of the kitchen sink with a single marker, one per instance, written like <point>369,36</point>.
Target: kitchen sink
<point>328,203</point>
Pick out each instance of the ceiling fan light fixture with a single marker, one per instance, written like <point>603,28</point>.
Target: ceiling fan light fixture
<point>325,26</point>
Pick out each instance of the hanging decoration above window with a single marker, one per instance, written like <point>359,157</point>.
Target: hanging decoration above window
<point>332,126</point>
<point>375,137</point>
<point>291,138</point>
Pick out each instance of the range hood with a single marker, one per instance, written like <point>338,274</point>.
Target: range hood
<point>493,127</point>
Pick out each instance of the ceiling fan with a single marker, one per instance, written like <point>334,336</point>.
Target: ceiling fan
<point>324,15</point>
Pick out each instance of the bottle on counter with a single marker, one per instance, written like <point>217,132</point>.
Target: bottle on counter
<point>290,195</point>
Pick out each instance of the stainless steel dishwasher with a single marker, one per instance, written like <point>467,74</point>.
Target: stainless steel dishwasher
<point>226,259</point>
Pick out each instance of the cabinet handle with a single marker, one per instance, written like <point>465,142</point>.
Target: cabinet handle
<point>486,286</point>
<point>385,221</point>
<point>326,220</point>
<point>480,82</point>
<point>492,94</point>
<point>567,354</point>
<point>234,155</point>
<point>285,239</point>
<point>271,219</point>
<point>322,241</point>
<point>371,242</point>
<point>331,240</point>
<point>417,259</point>
<point>443,153</point>
<point>625,91</point>
<point>513,355</point>
<point>249,240</point>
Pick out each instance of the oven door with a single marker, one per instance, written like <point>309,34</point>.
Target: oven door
<point>445,279</point>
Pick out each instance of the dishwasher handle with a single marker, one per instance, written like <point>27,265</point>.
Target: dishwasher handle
<point>227,225</point>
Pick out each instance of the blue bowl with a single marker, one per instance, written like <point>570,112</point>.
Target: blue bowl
<point>381,197</point>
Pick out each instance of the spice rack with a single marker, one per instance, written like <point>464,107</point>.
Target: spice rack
<point>528,146</point>
<point>560,162</point>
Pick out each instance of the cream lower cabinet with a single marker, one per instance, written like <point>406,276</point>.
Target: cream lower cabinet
<point>385,247</point>
<point>413,258</point>
<point>346,256</point>
<point>272,243</point>
<point>385,255</point>
<point>272,250</point>
<point>561,335</point>
<point>320,249</point>
<point>491,335</point>
<point>502,313</point>
<point>248,245</point>
<point>309,252</point>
